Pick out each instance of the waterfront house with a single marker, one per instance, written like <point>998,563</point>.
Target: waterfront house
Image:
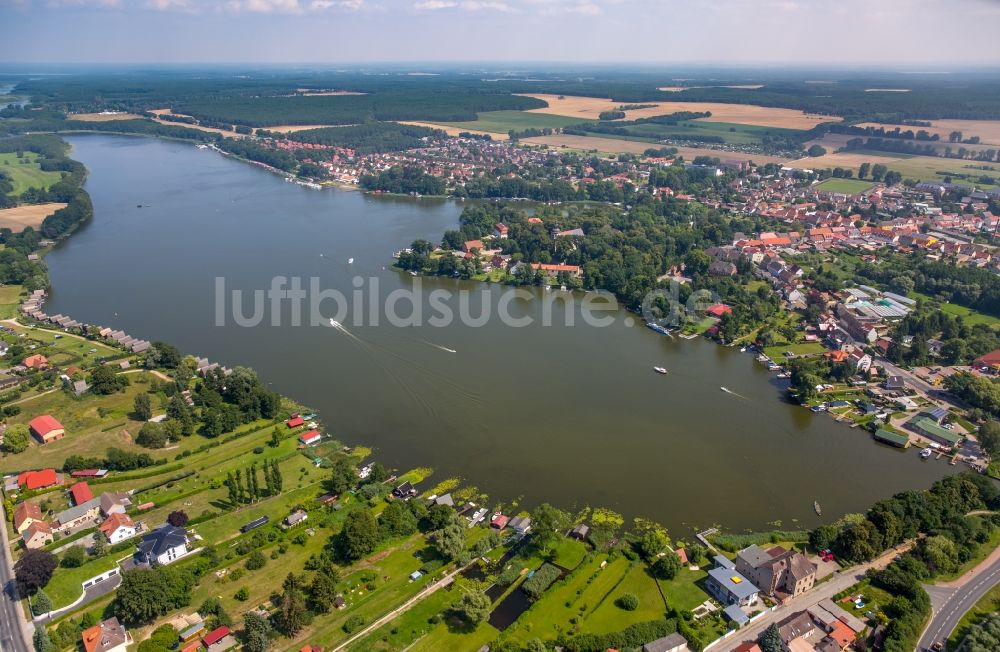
<point>777,572</point>
<point>46,428</point>
<point>106,636</point>
<point>295,422</point>
<point>79,516</point>
<point>499,521</point>
<point>520,524</point>
<point>25,514</point>
<point>580,532</point>
<point>730,587</point>
<point>37,535</point>
<point>930,429</point>
<point>163,545</point>
<point>310,438</point>
<point>892,438</point>
<point>31,480</point>
<point>118,527</point>
<point>404,491</point>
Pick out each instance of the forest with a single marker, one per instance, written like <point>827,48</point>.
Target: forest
<point>375,137</point>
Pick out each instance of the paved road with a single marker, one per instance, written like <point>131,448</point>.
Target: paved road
<point>828,589</point>
<point>949,604</point>
<point>13,634</point>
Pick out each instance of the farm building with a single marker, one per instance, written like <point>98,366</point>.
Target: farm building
<point>46,428</point>
<point>32,480</point>
<point>81,493</point>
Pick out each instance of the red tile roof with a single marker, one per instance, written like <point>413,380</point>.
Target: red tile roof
<point>81,493</point>
<point>24,511</point>
<point>37,479</point>
<point>295,422</point>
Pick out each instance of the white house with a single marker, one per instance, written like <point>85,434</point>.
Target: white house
<point>118,527</point>
<point>163,545</point>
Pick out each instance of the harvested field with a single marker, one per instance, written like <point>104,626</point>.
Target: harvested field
<point>678,89</point>
<point>103,117</point>
<point>833,142</point>
<point>291,129</point>
<point>591,107</point>
<point>453,130</point>
<point>159,112</point>
<point>19,217</point>
<point>987,130</point>
<point>842,160</point>
<point>615,146</point>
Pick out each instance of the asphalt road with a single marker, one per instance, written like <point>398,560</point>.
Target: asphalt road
<point>950,605</point>
<point>12,635</point>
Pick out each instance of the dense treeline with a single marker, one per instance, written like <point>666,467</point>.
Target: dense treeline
<point>403,180</point>
<point>962,342</point>
<point>354,109</point>
<point>950,538</point>
<point>972,287</point>
<point>978,391</point>
<point>368,138</point>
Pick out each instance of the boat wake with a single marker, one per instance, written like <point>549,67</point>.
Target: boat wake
<point>438,346</point>
<point>729,391</point>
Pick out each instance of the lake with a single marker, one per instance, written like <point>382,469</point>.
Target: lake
<point>569,415</point>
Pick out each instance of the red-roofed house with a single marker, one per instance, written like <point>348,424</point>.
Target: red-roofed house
<point>37,361</point>
<point>310,438</point>
<point>499,521</point>
<point>468,246</point>
<point>32,480</point>
<point>81,493</point>
<point>37,535</point>
<point>842,634</point>
<point>295,422</point>
<point>215,636</point>
<point>46,428</point>
<point>988,362</point>
<point>718,310</point>
<point>107,636</point>
<point>118,527</point>
<point>25,514</point>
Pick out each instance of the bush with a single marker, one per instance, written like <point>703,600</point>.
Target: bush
<point>543,578</point>
<point>243,594</point>
<point>628,602</point>
<point>255,561</point>
<point>74,557</point>
<point>353,623</point>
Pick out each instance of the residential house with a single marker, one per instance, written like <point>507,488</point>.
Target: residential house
<point>730,587</point>
<point>295,422</point>
<point>777,572</point>
<point>163,545</point>
<point>501,231</point>
<point>218,639</point>
<point>46,428</point>
<point>988,363</point>
<point>37,535</point>
<point>580,532</point>
<point>310,438</point>
<point>118,527</point>
<point>114,503</point>
<point>520,524</point>
<point>404,491</point>
<point>106,636</point>
<point>37,362</point>
<point>25,514</point>
<point>722,268</point>
<point>79,516</point>
<point>670,643</point>
<point>472,245</point>
<point>296,517</point>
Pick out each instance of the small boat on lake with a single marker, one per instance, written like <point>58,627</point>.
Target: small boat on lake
<point>656,327</point>
<point>350,261</point>
<point>925,453</point>
<point>659,370</point>
<point>816,507</point>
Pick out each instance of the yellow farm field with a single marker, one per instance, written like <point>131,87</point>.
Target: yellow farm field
<point>841,160</point>
<point>987,130</point>
<point>747,114</point>
<point>103,117</point>
<point>454,131</point>
<point>19,217</point>
<point>615,146</point>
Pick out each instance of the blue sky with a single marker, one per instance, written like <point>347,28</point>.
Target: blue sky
<point>786,32</point>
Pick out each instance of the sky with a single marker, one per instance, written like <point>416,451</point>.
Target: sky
<point>936,33</point>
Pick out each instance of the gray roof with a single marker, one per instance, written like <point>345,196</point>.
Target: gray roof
<point>668,642</point>
<point>723,562</point>
<point>733,582</point>
<point>74,513</point>
<point>735,614</point>
<point>755,556</point>
<point>161,540</point>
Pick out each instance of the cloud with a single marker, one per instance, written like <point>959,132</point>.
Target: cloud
<point>465,5</point>
<point>435,5</point>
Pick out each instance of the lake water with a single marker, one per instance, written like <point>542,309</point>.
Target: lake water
<point>573,416</point>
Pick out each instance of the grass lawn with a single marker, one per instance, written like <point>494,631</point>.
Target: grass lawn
<point>848,186</point>
<point>67,583</point>
<point>609,617</point>
<point>93,424</point>
<point>683,592</point>
<point>569,553</point>
<point>415,624</point>
<point>985,606</point>
<point>443,638</point>
<point>777,352</point>
<point>970,316</point>
<point>25,172</point>
<point>10,298</point>
<point>501,122</point>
